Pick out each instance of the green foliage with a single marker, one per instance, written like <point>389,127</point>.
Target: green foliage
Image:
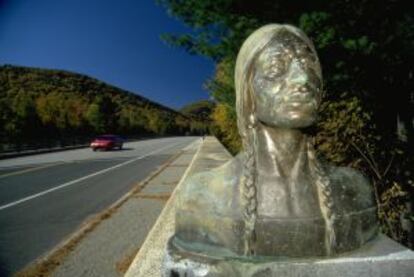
<point>365,48</point>
<point>44,105</point>
<point>201,109</point>
<point>96,118</point>
<point>222,86</point>
<point>225,127</point>
<point>347,135</point>
<point>102,114</point>
<point>352,39</point>
<point>311,21</point>
<point>343,123</point>
<point>131,120</point>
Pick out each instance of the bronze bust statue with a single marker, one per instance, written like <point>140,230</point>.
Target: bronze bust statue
<point>275,199</point>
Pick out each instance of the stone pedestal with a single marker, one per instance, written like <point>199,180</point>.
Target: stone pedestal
<point>381,257</point>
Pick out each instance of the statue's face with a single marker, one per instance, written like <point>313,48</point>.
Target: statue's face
<point>287,83</point>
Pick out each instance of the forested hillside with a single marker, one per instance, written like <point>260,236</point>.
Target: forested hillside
<point>200,109</point>
<point>40,106</point>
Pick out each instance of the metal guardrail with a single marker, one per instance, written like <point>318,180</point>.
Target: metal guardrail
<point>28,150</point>
<point>13,154</point>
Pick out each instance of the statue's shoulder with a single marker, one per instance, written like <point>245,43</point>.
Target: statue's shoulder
<point>351,188</point>
<point>212,187</point>
<point>341,174</point>
<point>221,175</point>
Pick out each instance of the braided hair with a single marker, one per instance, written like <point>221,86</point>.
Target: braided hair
<point>249,191</point>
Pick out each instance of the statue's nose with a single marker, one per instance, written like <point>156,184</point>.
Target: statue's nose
<point>297,74</point>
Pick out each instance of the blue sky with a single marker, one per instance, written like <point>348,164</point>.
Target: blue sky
<point>116,41</point>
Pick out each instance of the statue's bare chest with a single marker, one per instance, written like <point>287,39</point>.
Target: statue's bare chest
<point>281,198</point>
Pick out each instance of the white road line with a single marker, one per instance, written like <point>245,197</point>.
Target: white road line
<point>28,170</point>
<point>14,203</point>
<point>196,142</point>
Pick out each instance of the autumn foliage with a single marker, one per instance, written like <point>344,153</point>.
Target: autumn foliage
<point>47,107</point>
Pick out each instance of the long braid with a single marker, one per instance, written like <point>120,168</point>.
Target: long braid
<point>249,192</point>
<point>325,197</point>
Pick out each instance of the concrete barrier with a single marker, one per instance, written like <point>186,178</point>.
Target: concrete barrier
<point>381,257</point>
<point>148,260</point>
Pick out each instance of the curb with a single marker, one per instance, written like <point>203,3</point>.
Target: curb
<point>148,260</point>
<point>160,218</point>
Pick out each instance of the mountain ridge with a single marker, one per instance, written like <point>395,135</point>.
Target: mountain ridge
<point>43,104</point>
<point>63,72</point>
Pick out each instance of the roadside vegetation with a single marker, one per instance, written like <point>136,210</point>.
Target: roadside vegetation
<point>365,48</point>
<point>42,107</point>
<point>200,109</point>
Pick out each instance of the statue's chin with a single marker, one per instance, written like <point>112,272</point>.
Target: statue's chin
<point>290,121</point>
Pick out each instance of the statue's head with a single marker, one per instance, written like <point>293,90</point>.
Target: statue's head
<point>278,79</point>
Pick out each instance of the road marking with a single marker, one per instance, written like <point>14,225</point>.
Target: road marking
<point>28,170</point>
<point>193,144</point>
<point>14,203</point>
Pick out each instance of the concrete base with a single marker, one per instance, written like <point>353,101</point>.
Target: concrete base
<point>380,258</point>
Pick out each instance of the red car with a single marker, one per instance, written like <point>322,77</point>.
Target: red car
<point>107,142</point>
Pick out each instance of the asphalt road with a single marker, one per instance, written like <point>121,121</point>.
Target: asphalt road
<point>44,198</point>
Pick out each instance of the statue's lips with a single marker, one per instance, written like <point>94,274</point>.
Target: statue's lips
<point>297,104</point>
<point>300,98</point>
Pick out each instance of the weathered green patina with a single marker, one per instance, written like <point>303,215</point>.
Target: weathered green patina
<point>275,199</point>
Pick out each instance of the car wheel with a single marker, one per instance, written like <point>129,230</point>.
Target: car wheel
<point>120,147</point>
<point>94,149</point>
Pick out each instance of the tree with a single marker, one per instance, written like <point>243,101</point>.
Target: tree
<point>132,120</point>
<point>76,109</point>
<point>352,39</point>
<point>225,125</point>
<point>25,122</point>
<point>365,48</point>
<point>53,110</point>
<point>103,115</point>
<point>96,118</point>
<point>200,109</point>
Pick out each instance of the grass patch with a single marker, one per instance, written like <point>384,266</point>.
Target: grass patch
<point>179,165</point>
<point>169,183</point>
<point>163,197</point>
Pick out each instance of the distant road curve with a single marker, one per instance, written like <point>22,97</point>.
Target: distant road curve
<point>44,198</point>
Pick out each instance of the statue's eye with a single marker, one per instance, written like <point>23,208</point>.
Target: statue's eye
<point>304,61</point>
<point>305,55</point>
<point>275,66</point>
